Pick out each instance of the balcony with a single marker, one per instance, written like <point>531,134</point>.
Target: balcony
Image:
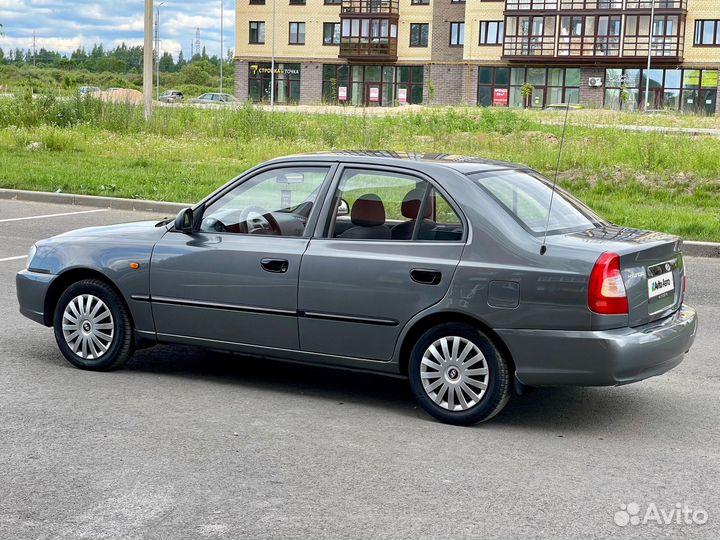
<point>524,47</point>
<point>368,30</point>
<point>667,48</point>
<point>373,7</point>
<point>513,6</point>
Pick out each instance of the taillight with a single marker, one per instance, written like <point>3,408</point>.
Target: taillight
<point>606,291</point>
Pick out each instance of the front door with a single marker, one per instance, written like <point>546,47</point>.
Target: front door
<point>366,274</point>
<point>236,279</point>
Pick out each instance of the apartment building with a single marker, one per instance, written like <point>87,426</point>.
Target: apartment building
<point>390,52</point>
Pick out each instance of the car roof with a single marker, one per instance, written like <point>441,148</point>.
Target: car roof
<point>463,164</point>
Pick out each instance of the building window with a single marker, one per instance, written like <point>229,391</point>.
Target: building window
<point>362,85</point>
<point>687,90</point>
<point>666,36</point>
<point>589,35</point>
<point>287,82</point>
<point>368,37</point>
<point>331,33</point>
<point>333,2</point>
<point>419,33</point>
<point>297,2</point>
<point>257,2</point>
<point>529,36</point>
<point>420,2</point>
<point>491,32</point>
<point>257,32</point>
<point>297,33</point>
<point>707,34</point>
<point>457,34</point>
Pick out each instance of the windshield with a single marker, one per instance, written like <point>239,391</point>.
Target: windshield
<point>526,196</point>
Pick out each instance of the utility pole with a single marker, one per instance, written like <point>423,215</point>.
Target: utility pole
<point>34,47</point>
<point>650,44</point>
<point>147,60</point>
<point>222,42</point>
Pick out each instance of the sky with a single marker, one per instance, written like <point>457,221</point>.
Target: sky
<point>65,25</point>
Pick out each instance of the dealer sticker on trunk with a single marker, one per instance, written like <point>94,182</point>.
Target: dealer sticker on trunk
<point>659,285</point>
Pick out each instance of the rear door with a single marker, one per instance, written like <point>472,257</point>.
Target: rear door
<point>366,274</point>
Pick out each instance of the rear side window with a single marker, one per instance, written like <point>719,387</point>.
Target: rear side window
<point>526,196</point>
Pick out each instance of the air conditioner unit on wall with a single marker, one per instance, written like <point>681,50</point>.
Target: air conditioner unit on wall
<point>595,82</point>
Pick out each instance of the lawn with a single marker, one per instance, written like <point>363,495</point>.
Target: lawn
<point>656,181</point>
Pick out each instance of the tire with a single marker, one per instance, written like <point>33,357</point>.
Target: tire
<point>91,311</point>
<point>463,385</point>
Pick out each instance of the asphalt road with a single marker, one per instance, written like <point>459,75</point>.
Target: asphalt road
<point>192,444</point>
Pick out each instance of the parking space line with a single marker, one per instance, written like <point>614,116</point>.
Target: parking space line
<point>55,215</point>
<point>6,259</point>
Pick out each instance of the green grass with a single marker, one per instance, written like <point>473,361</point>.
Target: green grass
<point>656,181</point>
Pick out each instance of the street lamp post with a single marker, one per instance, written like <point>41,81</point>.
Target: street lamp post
<point>147,60</point>
<point>272,62</point>
<point>157,47</point>
<point>222,42</point>
<point>650,45</point>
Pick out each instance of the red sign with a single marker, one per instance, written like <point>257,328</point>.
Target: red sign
<point>501,97</point>
<point>374,93</point>
<point>342,93</point>
<point>402,95</point>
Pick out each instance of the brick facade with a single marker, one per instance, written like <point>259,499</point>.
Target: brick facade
<point>591,96</point>
<point>311,83</point>
<point>453,84</point>
<point>241,79</point>
<point>445,12</point>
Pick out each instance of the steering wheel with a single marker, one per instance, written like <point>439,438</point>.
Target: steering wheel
<point>257,220</point>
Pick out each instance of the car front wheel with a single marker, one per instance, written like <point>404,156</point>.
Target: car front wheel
<point>458,375</point>
<point>92,326</point>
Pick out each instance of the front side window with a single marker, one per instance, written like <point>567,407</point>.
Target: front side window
<point>419,33</point>
<point>707,33</point>
<point>491,32</point>
<point>526,196</point>
<point>297,33</point>
<point>274,203</point>
<point>379,205</point>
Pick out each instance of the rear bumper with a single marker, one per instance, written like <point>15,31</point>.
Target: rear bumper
<point>601,358</point>
<point>32,290</point>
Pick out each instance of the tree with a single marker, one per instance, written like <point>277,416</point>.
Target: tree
<point>526,91</point>
<point>167,64</point>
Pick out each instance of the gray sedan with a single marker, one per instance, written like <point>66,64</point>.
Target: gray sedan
<point>450,271</point>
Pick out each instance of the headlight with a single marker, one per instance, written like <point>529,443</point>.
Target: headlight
<point>31,255</point>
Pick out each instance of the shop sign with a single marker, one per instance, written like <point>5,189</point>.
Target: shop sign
<point>260,70</point>
<point>374,94</point>
<point>342,93</point>
<point>402,95</point>
<point>501,97</point>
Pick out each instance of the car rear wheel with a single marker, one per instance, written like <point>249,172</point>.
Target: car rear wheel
<point>458,375</point>
<point>92,326</point>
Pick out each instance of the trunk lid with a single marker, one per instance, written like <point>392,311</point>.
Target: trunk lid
<point>652,269</point>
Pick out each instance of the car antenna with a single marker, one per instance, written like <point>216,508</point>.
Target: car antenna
<point>543,248</point>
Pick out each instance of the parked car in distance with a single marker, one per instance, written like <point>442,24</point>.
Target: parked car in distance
<point>214,98</point>
<point>172,96</point>
<point>85,90</point>
<point>451,271</point>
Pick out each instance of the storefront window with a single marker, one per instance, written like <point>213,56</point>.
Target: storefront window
<point>287,82</point>
<point>552,86</point>
<point>372,85</point>
<point>689,90</point>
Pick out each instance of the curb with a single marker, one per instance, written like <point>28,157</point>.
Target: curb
<point>115,203</point>
<point>690,248</point>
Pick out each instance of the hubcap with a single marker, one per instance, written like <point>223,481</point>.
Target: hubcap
<point>454,373</point>
<point>88,326</point>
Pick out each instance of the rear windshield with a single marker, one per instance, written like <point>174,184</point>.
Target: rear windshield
<point>526,196</point>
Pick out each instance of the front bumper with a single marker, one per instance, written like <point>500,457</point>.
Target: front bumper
<point>601,358</point>
<point>32,288</point>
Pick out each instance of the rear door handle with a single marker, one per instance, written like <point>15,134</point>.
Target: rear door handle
<point>276,266</point>
<point>426,277</point>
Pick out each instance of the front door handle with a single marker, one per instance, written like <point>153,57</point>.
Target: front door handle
<point>276,266</point>
<point>426,277</point>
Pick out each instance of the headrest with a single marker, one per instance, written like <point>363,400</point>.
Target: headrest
<point>368,211</point>
<point>410,206</point>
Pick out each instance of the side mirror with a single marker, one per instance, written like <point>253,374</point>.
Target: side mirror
<point>343,208</point>
<point>184,221</point>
